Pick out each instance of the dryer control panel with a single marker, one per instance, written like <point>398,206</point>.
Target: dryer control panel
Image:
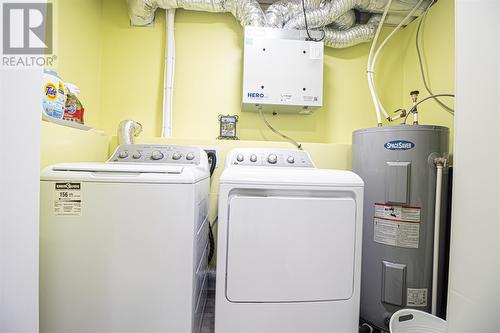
<point>269,157</point>
<point>157,154</point>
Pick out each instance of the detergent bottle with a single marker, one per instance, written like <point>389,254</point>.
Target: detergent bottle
<point>54,95</point>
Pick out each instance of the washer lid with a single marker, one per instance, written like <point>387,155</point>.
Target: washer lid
<point>123,172</point>
<point>120,168</point>
<point>289,176</point>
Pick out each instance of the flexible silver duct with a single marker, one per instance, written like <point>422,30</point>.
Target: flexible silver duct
<point>247,12</point>
<point>337,16</point>
<point>281,11</point>
<point>361,33</point>
<point>345,21</point>
<point>320,17</point>
<point>127,130</point>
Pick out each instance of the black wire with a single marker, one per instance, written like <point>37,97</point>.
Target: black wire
<point>307,27</point>
<point>420,61</point>
<point>212,160</point>
<point>414,107</point>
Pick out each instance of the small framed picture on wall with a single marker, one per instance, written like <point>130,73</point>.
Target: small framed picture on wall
<point>227,126</point>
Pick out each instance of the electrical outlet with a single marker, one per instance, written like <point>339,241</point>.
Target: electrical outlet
<point>213,150</point>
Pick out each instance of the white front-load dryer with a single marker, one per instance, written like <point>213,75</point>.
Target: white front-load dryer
<point>123,244</point>
<point>289,245</point>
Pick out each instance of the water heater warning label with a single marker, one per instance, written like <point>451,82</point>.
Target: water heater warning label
<point>68,199</point>
<point>402,213</point>
<point>397,225</point>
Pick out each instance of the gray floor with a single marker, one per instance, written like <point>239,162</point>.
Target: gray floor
<point>207,325</point>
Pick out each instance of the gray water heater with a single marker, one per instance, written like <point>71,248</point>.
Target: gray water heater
<point>396,164</point>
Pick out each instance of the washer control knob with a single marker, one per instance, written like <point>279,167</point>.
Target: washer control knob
<point>136,156</point>
<point>190,156</point>
<point>240,157</point>
<point>123,154</point>
<point>156,155</point>
<point>253,158</point>
<point>176,156</point>
<point>272,158</point>
<point>290,159</point>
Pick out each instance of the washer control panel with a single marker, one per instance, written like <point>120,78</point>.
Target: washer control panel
<point>157,154</point>
<point>269,157</point>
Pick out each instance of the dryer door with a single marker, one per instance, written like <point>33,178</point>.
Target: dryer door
<point>290,249</point>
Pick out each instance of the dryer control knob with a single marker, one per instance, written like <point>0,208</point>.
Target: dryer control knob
<point>136,156</point>
<point>176,156</point>
<point>123,154</point>
<point>240,157</point>
<point>156,155</point>
<point>272,158</point>
<point>290,159</point>
<point>253,158</point>
<point>190,156</point>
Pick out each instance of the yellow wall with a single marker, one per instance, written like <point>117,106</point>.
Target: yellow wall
<point>78,47</point>
<point>65,144</point>
<point>208,79</point>
<point>438,48</point>
<point>78,37</point>
<point>119,69</point>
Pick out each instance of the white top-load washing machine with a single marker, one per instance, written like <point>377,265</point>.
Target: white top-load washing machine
<point>124,243</point>
<point>289,245</point>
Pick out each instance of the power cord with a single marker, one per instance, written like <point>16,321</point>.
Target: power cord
<point>420,61</point>
<point>212,160</point>
<point>307,27</point>
<point>287,138</point>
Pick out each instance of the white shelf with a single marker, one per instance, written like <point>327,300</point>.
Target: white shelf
<point>66,123</point>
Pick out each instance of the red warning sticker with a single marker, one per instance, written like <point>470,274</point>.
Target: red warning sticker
<point>397,225</point>
<point>401,213</point>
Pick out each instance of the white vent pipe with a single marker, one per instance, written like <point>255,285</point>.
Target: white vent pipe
<point>127,130</point>
<point>282,13</point>
<point>361,33</point>
<point>345,21</point>
<point>320,17</point>
<point>168,75</point>
<point>440,164</point>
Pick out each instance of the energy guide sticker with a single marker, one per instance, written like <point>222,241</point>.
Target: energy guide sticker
<point>68,199</point>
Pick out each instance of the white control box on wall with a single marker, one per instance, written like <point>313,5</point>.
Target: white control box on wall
<point>282,70</point>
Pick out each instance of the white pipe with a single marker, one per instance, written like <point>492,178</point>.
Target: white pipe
<point>127,130</point>
<point>371,65</point>
<point>369,68</point>
<point>437,222</point>
<point>168,75</point>
<point>415,117</point>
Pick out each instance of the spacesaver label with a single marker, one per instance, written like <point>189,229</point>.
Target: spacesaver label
<point>68,199</point>
<point>399,145</point>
